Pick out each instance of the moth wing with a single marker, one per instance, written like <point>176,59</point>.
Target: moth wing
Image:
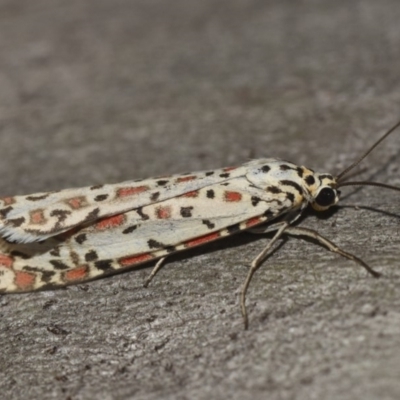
<point>124,240</point>
<point>25,219</point>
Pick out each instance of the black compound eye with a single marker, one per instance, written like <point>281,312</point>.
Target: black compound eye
<point>325,197</point>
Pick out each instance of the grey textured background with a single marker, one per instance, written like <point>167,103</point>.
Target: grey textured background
<point>108,90</point>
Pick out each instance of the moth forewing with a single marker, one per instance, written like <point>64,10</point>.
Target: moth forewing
<point>39,216</point>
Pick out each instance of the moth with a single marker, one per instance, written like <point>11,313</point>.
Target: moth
<point>64,237</point>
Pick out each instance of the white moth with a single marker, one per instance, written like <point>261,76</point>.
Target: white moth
<point>58,238</point>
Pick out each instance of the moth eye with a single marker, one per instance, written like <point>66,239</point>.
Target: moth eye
<point>325,197</point>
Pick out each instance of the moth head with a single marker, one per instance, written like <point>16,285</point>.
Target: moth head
<point>323,192</point>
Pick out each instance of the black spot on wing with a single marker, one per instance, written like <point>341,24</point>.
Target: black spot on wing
<point>93,215</point>
<point>36,198</point>
<point>208,223</point>
<point>210,194</point>
<point>5,211</point>
<point>60,214</point>
<point>255,200</point>
<point>16,253</point>
<point>265,168</point>
<point>47,275</point>
<point>130,229</point>
<point>153,244</point>
<point>101,197</point>
<point>59,265</point>
<point>142,214</point>
<point>74,257</point>
<point>104,265</point>
<point>162,182</point>
<point>91,256</point>
<point>210,173</point>
<point>16,222</point>
<point>81,238</point>
<point>224,175</point>
<point>273,189</point>
<point>95,187</point>
<point>186,212</point>
<point>155,196</point>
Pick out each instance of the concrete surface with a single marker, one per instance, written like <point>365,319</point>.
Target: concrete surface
<point>109,90</point>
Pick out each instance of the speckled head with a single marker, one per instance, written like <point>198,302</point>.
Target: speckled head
<point>322,189</point>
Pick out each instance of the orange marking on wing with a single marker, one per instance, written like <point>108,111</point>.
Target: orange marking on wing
<point>130,191</point>
<point>37,217</point>
<point>110,222</point>
<point>186,178</point>
<point>163,212</point>
<point>76,274</point>
<point>232,196</point>
<point>24,280</point>
<point>202,239</point>
<point>193,193</point>
<point>77,202</point>
<point>137,259</point>
<point>6,261</point>
<point>253,221</point>
<point>8,200</point>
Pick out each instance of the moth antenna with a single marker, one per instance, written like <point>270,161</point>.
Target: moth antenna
<point>368,183</point>
<point>355,173</point>
<point>355,163</point>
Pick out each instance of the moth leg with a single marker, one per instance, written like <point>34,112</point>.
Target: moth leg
<point>253,268</point>
<point>260,230</point>
<point>154,271</point>
<point>296,231</point>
